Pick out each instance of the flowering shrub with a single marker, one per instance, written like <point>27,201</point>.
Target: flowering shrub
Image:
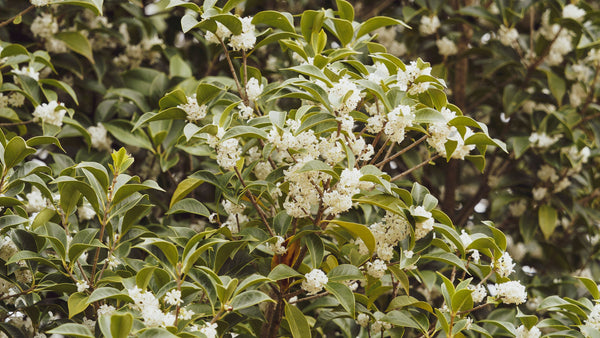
<point>271,199</point>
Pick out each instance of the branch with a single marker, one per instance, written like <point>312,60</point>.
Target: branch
<point>255,204</point>
<point>21,13</point>
<point>418,166</point>
<point>412,145</point>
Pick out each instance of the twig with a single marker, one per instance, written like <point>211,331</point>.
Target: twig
<point>255,204</point>
<point>412,145</point>
<point>10,124</point>
<point>21,13</point>
<point>418,166</point>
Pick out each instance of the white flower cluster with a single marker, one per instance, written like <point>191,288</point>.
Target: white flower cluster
<point>593,318</point>
<point>82,285</point>
<point>39,3</point>
<point>209,330</point>
<point>339,199</point>
<point>542,140</point>
<point>504,265</point>
<point>253,89</point>
<point>562,38</point>
<point>363,319</point>
<point>134,55</point>
<point>377,268</point>
<point>193,111</point>
<point>106,310</point>
<point>406,78</point>
<point>314,281</point>
<point>511,292</point>
<point>387,37</point>
<point>344,96</point>
<point>15,99</point>
<point>429,25</point>
<point>27,71</point>
<point>246,40</point>
<point>392,229</point>
<point>467,240</point>
<point>380,74</point>
<point>508,36</point>
<point>173,297</point>
<point>7,248</point>
<point>99,138</point>
<point>235,214</point>
<point>446,47</point>
<point>423,227</point>
<point>51,113</point>
<point>573,12</point>
<point>523,332</point>
<point>278,247</point>
<point>44,27</point>
<point>228,153</point>
<point>147,304</point>
<point>35,201</point>
<point>399,119</point>
<point>479,292</point>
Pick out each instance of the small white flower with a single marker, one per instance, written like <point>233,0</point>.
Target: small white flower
<point>363,319</point>
<point>209,330</point>
<point>193,111</point>
<point>173,297</point>
<point>408,253</point>
<point>253,89</point>
<point>376,268</point>
<point>245,40</point>
<point>99,137</point>
<point>479,293</point>
<point>593,318</point>
<point>511,292</point>
<point>429,25</point>
<point>522,332</point>
<point>446,46</point>
<point>314,281</point>
<point>185,314</point>
<point>573,12</point>
<point>82,285</point>
<point>106,309</point>
<point>27,71</point>
<point>504,266</point>
<point>278,247</point>
<point>39,3</point>
<point>51,113</point>
<point>508,36</point>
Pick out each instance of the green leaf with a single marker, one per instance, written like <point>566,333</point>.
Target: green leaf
<point>106,292</point>
<point>167,114</point>
<point>429,115</point>
<point>316,165</point>
<point>15,152</point>
<point>172,99</point>
<point>591,286</point>
<point>121,324</point>
<point>298,324</point>
<point>283,271</point>
<point>311,22</point>
<point>94,5</point>
<point>241,131</point>
<point>283,21</point>
<point>462,300</point>
<point>529,320</point>
<point>312,71</point>
<point>345,10</point>
<point>447,258</point>
<point>249,298</point>
<point>206,92</point>
<point>72,330</point>
<point>77,303</point>
<point>184,188</point>
<point>316,249</point>
<point>547,217</point>
<point>344,272</point>
<point>189,205</point>
<point>406,300</point>
<point>178,67</point>
<point>122,131</point>
<point>358,230</point>
<point>401,318</point>
<point>78,43</point>
<point>168,249</point>
<point>61,85</point>
<point>557,86</point>
<point>344,295</point>
<point>377,22</point>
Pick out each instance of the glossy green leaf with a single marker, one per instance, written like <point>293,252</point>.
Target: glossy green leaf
<point>78,43</point>
<point>298,324</point>
<point>548,218</point>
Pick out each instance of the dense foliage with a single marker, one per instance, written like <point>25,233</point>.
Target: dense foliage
<point>197,169</point>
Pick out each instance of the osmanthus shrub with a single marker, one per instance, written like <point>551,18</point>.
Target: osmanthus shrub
<point>304,232</point>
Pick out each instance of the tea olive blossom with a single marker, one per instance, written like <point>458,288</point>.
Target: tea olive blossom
<point>504,265</point>
<point>593,318</point>
<point>51,113</point>
<point>523,332</point>
<point>314,281</point>
<point>39,3</point>
<point>192,109</point>
<point>245,40</point>
<point>511,292</point>
<point>253,89</point>
<point>429,25</point>
<point>99,137</point>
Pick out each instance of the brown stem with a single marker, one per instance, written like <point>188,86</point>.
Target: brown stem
<point>399,153</point>
<point>418,166</point>
<point>21,13</point>
<point>233,72</point>
<point>10,124</point>
<point>460,313</point>
<point>255,203</point>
